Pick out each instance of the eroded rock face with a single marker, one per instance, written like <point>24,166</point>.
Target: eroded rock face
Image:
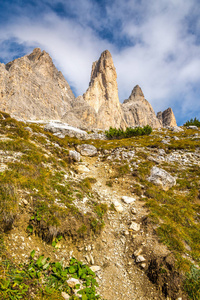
<point>102,94</point>
<point>32,88</point>
<point>167,118</point>
<point>138,111</point>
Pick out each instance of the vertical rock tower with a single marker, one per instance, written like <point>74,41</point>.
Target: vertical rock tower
<point>102,93</point>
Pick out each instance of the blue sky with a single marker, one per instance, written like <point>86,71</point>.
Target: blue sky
<point>154,43</point>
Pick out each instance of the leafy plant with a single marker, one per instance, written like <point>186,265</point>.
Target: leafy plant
<point>47,278</point>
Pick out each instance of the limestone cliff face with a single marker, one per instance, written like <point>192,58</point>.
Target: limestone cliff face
<point>32,88</point>
<point>138,111</point>
<point>102,94</point>
<point>167,118</point>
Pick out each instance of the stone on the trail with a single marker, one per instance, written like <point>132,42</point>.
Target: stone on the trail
<point>95,268</point>
<point>83,169</point>
<point>74,155</point>
<point>140,259</point>
<point>162,178</point>
<point>133,211</point>
<point>135,226</point>
<point>137,252</point>
<point>118,206</point>
<point>65,296</point>
<point>72,282</point>
<point>87,150</point>
<point>128,200</point>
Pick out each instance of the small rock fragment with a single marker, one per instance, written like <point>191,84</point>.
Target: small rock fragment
<point>135,226</point>
<point>128,200</point>
<point>95,268</point>
<point>65,296</point>
<point>118,206</point>
<point>74,155</point>
<point>137,252</point>
<point>72,282</point>
<point>140,258</point>
<point>83,169</point>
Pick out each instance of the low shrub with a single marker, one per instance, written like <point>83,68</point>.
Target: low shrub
<point>193,122</point>
<point>114,133</point>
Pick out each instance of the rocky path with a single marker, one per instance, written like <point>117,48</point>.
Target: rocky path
<point>120,277</point>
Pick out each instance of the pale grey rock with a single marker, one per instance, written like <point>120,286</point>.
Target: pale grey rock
<point>161,178</point>
<point>65,296</point>
<point>74,155</point>
<point>135,226</point>
<point>128,200</point>
<point>140,259</point>
<point>87,150</point>
<point>83,169</point>
<point>59,128</point>
<point>133,211</point>
<point>177,129</point>
<point>192,127</point>
<point>72,282</point>
<point>95,268</point>
<point>137,252</point>
<point>118,206</point>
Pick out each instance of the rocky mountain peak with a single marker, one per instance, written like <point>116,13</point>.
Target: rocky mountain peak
<point>35,54</point>
<point>32,88</point>
<point>136,95</point>
<point>137,92</point>
<point>102,93</point>
<point>167,118</point>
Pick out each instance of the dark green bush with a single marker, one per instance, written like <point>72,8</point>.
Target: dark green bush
<point>194,122</point>
<point>114,133</point>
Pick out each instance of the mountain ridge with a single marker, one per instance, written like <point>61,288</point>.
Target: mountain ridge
<point>32,88</point>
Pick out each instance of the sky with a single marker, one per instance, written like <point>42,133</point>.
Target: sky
<point>154,43</point>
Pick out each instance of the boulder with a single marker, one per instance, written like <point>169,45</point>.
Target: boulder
<point>87,150</point>
<point>161,178</point>
<point>74,155</point>
<point>62,129</point>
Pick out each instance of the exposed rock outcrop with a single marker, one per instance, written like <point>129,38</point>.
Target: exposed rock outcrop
<point>167,118</point>
<point>32,88</point>
<point>138,111</point>
<point>162,178</point>
<point>102,94</point>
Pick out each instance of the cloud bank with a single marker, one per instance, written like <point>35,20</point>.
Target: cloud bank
<point>154,43</point>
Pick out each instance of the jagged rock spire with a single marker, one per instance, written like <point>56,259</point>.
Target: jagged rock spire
<point>102,93</point>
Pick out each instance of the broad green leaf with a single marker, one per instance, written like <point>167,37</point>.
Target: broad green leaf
<point>32,253</point>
